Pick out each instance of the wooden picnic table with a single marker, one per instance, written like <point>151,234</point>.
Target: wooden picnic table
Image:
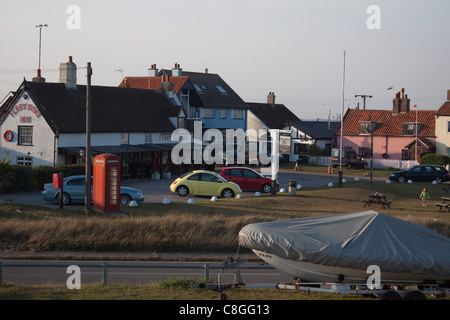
<point>444,203</point>
<point>378,198</point>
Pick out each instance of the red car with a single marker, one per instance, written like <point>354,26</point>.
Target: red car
<point>248,179</point>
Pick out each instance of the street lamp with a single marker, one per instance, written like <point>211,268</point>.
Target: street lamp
<point>40,26</point>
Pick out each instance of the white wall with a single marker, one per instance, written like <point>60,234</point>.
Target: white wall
<point>25,113</point>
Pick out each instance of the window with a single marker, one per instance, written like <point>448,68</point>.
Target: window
<point>364,152</point>
<point>222,90</point>
<point>238,114</point>
<point>364,127</point>
<point>195,177</point>
<point>223,113</point>
<point>181,123</point>
<point>76,182</point>
<point>197,87</point>
<point>448,126</point>
<point>208,113</point>
<point>25,136</point>
<point>24,161</point>
<point>124,138</point>
<point>234,172</point>
<point>409,128</point>
<point>250,174</point>
<point>209,178</point>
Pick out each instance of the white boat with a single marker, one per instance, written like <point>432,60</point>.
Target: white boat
<point>340,248</point>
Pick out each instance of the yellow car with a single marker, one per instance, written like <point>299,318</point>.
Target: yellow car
<point>204,183</point>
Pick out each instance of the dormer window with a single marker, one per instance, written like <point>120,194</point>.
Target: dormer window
<point>409,128</point>
<point>365,127</point>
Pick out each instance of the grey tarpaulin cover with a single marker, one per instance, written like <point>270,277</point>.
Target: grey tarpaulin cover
<point>353,240</point>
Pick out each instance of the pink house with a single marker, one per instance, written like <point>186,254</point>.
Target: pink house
<point>394,131</point>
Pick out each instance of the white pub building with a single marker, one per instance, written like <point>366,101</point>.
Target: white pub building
<point>45,124</point>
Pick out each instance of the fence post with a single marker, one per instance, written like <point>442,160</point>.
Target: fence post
<point>105,273</point>
<point>206,271</point>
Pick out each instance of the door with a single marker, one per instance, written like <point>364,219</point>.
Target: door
<point>251,180</point>
<point>76,189</point>
<point>209,184</point>
<point>235,175</point>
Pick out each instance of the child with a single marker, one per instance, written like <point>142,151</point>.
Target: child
<point>424,196</point>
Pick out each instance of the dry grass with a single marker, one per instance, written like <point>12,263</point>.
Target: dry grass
<point>204,226</point>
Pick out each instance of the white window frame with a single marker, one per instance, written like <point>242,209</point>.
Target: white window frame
<point>238,114</point>
<point>208,113</point>
<point>24,161</point>
<point>25,138</point>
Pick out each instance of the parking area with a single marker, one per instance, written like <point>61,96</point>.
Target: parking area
<point>156,190</point>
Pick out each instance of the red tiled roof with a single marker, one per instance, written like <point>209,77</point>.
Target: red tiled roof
<point>152,83</point>
<point>444,110</point>
<point>387,123</point>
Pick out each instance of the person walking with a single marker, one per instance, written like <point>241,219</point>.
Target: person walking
<point>424,196</point>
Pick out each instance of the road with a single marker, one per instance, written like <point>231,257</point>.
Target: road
<point>135,272</point>
<point>156,191</point>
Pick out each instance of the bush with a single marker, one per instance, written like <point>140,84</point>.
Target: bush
<point>432,158</point>
<point>6,175</point>
<point>23,178</point>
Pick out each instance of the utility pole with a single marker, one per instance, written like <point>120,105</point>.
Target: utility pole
<point>342,127</point>
<point>87,199</point>
<point>364,96</point>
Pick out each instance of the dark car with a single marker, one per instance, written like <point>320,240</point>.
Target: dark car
<point>425,172</point>
<point>349,158</point>
<point>248,179</point>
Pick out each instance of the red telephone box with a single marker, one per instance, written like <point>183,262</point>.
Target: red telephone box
<point>106,184</point>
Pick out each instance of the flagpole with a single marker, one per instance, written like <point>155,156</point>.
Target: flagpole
<point>417,128</point>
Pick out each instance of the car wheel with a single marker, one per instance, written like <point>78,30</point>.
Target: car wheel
<point>66,198</point>
<point>438,180</point>
<point>401,179</point>
<point>125,199</point>
<point>267,188</point>
<point>182,191</point>
<point>227,193</point>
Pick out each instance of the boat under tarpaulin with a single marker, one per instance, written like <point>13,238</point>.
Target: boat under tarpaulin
<point>320,248</point>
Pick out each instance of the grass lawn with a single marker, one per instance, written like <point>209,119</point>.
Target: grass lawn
<point>204,226</point>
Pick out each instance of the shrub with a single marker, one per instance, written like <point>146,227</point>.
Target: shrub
<point>432,158</point>
<point>6,175</point>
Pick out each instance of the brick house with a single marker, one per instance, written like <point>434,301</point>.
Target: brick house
<point>394,131</point>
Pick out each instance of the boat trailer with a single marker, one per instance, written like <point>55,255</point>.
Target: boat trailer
<point>394,291</point>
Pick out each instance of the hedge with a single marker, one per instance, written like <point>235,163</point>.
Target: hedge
<point>432,158</point>
<point>27,179</point>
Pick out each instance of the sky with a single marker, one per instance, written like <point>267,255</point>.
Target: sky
<point>314,55</point>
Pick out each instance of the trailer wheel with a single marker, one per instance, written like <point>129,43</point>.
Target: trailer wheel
<point>415,295</point>
<point>390,295</point>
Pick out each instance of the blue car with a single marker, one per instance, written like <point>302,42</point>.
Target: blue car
<point>74,191</point>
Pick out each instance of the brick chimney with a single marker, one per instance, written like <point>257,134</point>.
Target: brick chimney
<point>38,77</point>
<point>401,103</point>
<point>152,72</point>
<point>448,95</point>
<point>271,98</point>
<point>177,71</point>
<point>165,84</point>
<point>68,74</point>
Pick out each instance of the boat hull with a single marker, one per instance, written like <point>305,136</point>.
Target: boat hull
<point>311,272</point>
